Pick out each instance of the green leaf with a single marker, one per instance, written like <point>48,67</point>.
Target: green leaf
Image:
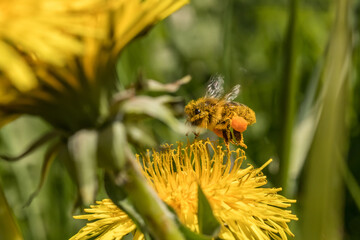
<point>111,146</point>
<point>82,148</point>
<point>208,224</point>
<point>9,228</point>
<point>189,235</point>
<point>323,191</point>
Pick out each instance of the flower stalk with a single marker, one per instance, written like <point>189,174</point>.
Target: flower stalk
<point>159,221</point>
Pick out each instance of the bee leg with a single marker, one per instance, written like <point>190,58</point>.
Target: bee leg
<point>226,137</point>
<point>239,139</point>
<point>197,134</point>
<point>224,124</point>
<point>228,148</point>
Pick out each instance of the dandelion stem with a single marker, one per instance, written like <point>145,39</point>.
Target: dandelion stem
<point>289,92</point>
<point>159,221</point>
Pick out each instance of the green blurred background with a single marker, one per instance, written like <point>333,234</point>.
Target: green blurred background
<point>297,65</point>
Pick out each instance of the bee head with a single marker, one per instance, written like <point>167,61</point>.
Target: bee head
<point>198,112</point>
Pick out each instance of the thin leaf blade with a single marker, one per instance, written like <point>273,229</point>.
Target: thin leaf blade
<point>208,224</point>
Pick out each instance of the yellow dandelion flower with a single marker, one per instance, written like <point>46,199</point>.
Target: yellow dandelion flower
<point>58,57</point>
<point>244,208</point>
<point>39,30</point>
<point>111,222</point>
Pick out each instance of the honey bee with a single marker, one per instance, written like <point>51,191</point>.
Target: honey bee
<point>220,114</point>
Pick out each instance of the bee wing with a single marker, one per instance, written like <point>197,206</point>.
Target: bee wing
<point>215,87</point>
<point>230,96</point>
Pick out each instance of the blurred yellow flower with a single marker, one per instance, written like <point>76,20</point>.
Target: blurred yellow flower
<point>58,57</point>
<point>244,209</point>
<point>40,31</point>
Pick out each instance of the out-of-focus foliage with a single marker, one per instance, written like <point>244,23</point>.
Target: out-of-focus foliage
<point>244,41</point>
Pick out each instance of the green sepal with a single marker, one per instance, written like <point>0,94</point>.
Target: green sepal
<point>82,162</point>
<point>140,135</point>
<point>48,159</point>
<point>111,146</point>
<point>64,157</point>
<point>35,145</point>
<point>208,225</point>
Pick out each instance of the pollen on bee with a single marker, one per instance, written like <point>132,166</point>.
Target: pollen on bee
<point>239,124</point>
<point>218,133</point>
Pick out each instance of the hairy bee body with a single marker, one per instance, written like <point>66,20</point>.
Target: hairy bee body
<point>226,118</point>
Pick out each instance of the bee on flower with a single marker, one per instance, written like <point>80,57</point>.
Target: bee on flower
<point>220,114</point>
